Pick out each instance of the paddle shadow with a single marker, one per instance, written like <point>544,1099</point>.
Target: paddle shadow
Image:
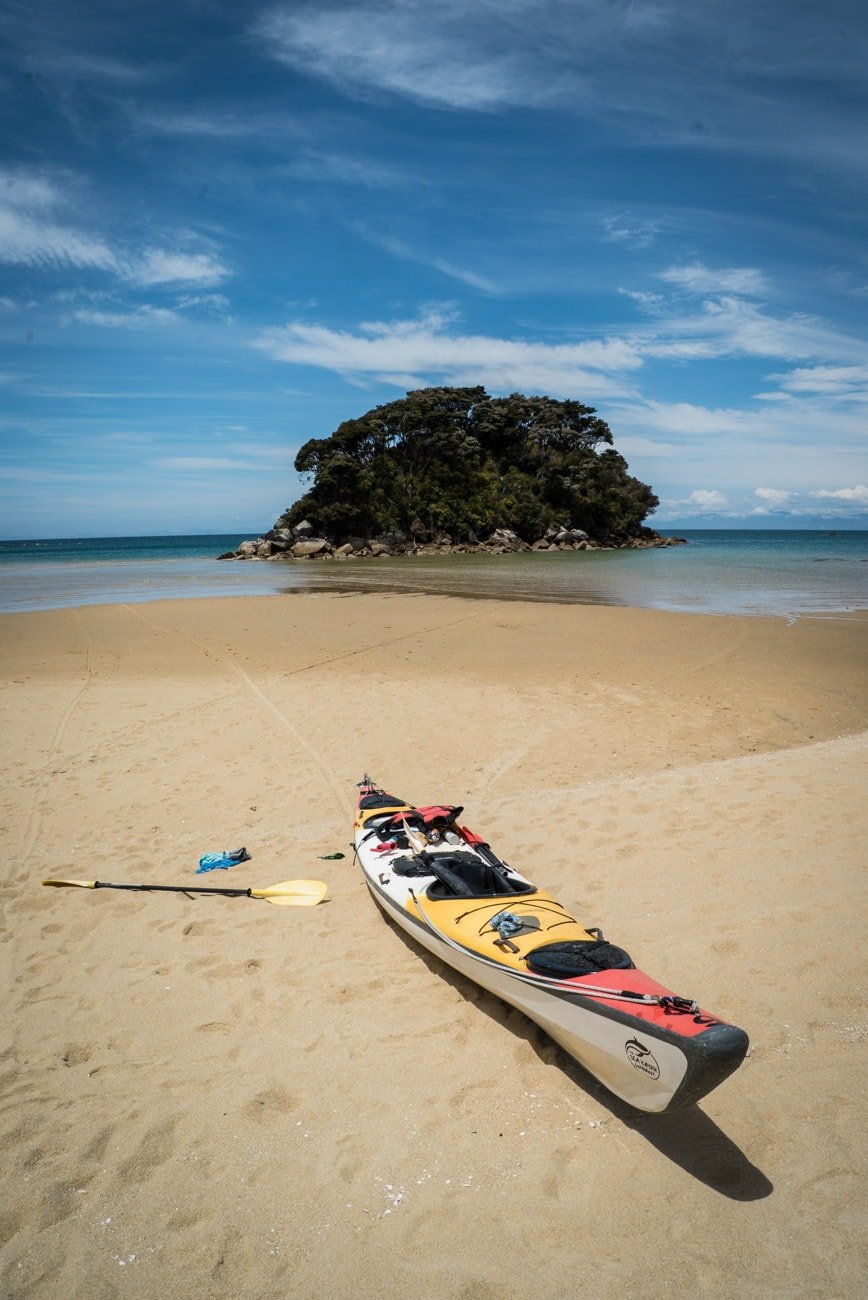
<point>689,1138</point>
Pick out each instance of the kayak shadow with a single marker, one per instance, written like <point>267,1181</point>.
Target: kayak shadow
<point>689,1138</point>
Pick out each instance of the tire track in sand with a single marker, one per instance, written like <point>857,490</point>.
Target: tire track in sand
<point>34,818</point>
<point>340,795</point>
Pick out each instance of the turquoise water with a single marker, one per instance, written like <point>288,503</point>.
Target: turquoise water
<point>790,573</point>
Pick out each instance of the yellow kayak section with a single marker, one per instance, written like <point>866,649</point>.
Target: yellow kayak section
<point>467,921</point>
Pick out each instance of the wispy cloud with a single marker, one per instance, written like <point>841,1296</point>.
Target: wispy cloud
<point>407,49</point>
<point>398,351</point>
<point>352,169</point>
<point>829,381</point>
<point>140,317</point>
<point>857,495</point>
<point>729,78</point>
<point>162,266</point>
<point>621,228</point>
<point>699,279</point>
<point>398,248</point>
<point>30,237</point>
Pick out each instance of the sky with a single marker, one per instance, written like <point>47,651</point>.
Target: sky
<point>225,228</point>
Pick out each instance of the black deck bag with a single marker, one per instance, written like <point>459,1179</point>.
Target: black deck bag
<point>577,957</point>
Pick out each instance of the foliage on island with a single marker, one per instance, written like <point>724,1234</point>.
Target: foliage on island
<point>458,461</point>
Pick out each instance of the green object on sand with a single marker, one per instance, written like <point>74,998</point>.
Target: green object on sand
<point>330,857</point>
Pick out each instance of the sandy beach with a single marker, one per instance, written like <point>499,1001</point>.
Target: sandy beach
<point>214,1097</point>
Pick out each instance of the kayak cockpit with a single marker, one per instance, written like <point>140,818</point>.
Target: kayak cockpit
<point>463,875</point>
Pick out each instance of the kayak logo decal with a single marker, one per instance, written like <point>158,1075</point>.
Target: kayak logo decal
<point>640,1058</point>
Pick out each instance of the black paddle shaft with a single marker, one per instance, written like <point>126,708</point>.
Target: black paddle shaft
<point>178,889</point>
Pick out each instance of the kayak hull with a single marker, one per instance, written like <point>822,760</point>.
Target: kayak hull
<point>653,1064</point>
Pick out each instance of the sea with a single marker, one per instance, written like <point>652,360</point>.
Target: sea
<point>793,574</point>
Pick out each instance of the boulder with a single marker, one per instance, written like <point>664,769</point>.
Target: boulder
<point>506,538</point>
<point>380,548</point>
<point>356,543</point>
<point>304,529</point>
<point>578,535</point>
<point>314,546</point>
<point>247,549</point>
<point>227,555</point>
<point>541,545</point>
<point>264,551</point>
<point>343,551</point>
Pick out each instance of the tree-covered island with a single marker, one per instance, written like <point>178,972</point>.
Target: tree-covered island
<point>453,468</point>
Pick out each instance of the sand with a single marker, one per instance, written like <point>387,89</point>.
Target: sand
<point>208,1098</point>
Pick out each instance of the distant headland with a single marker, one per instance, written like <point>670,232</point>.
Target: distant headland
<point>451,470</point>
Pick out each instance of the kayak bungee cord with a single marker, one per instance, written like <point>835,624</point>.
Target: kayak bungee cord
<point>667,1002</point>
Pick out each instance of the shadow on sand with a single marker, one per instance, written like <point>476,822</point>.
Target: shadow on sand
<point>686,1137</point>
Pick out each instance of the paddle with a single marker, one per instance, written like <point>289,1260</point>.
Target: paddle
<point>289,893</point>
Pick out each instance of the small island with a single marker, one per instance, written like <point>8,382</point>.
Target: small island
<point>451,470</point>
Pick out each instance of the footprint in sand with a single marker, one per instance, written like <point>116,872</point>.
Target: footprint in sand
<point>76,1054</point>
<point>270,1102</point>
<point>197,928</point>
<point>155,1148</point>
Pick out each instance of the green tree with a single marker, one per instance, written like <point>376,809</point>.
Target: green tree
<point>459,460</point>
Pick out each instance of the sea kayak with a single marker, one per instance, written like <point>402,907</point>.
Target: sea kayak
<point>442,883</point>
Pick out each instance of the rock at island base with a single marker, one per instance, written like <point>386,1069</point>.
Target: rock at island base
<point>277,544</point>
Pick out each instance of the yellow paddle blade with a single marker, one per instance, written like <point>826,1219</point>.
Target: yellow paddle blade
<point>75,884</point>
<point>293,893</point>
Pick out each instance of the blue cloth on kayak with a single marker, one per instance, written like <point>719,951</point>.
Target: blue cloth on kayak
<point>506,923</point>
<point>220,861</point>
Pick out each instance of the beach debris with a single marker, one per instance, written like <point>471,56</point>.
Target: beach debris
<point>330,857</point>
<point>220,861</point>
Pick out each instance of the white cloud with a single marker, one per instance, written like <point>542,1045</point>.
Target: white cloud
<point>652,302</point>
<point>26,240</point>
<point>400,249</point>
<point>137,318</point>
<point>731,326</point>
<point>161,266</point>
<point>431,54</point>
<point>29,237</point>
<point>623,229</point>
<point>700,279</point>
<point>730,77</point>
<point>28,191</point>
<point>773,496</point>
<point>708,500</point>
<point>395,351</point>
<point>833,381</point>
<point>858,494</point>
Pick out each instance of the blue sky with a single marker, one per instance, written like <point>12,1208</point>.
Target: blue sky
<point>225,228</point>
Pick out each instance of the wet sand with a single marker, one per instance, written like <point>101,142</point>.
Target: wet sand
<point>218,1098</point>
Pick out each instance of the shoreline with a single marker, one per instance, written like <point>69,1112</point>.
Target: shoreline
<point>174,1066</point>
